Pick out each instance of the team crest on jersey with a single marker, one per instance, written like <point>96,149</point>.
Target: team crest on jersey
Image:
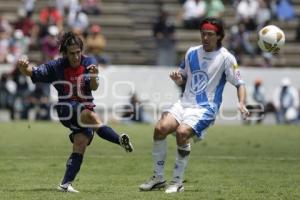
<point>199,82</point>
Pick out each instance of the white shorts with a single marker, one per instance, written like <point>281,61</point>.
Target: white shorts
<point>199,118</point>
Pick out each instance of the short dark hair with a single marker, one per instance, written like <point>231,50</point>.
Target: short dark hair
<point>219,24</point>
<point>68,39</point>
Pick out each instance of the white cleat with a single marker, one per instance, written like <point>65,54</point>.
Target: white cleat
<point>174,187</point>
<point>152,184</point>
<point>66,188</point>
<point>125,143</point>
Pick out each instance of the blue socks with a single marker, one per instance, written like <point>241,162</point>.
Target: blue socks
<point>72,167</point>
<point>108,134</point>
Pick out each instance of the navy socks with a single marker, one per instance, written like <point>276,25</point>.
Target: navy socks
<point>108,134</point>
<point>72,167</point>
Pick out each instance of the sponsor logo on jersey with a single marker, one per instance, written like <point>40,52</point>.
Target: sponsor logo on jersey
<point>199,82</point>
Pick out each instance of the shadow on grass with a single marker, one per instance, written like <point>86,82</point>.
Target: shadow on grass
<point>33,190</point>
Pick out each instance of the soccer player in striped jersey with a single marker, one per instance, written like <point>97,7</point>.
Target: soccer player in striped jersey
<point>205,71</point>
<point>74,76</point>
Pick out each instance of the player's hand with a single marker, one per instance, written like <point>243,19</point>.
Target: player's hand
<point>244,111</point>
<point>93,69</point>
<point>23,66</point>
<point>176,76</point>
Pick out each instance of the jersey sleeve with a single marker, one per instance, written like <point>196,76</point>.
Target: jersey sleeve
<point>45,72</point>
<point>184,64</point>
<point>87,79</point>
<point>89,61</point>
<point>233,74</point>
<point>182,69</point>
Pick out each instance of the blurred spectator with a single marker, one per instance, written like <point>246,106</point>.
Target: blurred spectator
<point>297,38</point>
<point>49,16</point>
<point>285,10</point>
<point>38,100</point>
<point>78,21</point>
<point>215,8</point>
<point>7,94</point>
<point>4,45</point>
<point>193,13</point>
<point>49,43</point>
<point>28,6</point>
<point>263,15</point>
<point>96,43</point>
<point>134,111</point>
<point>22,93</point>
<point>258,105</point>
<point>18,46</point>
<point>181,2</point>
<point>26,24</point>
<point>239,42</point>
<point>91,7</point>
<point>5,25</point>
<point>164,34</point>
<point>246,13</point>
<point>286,102</point>
<point>67,6</point>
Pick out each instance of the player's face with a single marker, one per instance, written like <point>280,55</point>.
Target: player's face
<point>74,55</point>
<point>209,40</point>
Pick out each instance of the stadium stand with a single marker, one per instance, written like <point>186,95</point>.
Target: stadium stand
<point>127,27</point>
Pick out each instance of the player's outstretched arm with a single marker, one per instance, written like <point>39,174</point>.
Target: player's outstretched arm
<point>241,93</point>
<point>177,77</point>
<point>24,67</point>
<point>93,70</point>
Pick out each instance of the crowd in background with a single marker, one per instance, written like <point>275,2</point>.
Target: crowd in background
<point>19,36</point>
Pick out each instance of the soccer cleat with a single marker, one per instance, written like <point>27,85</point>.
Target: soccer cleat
<point>66,188</point>
<point>174,187</point>
<point>152,184</point>
<point>125,143</point>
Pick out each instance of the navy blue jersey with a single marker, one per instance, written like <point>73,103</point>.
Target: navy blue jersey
<point>72,84</point>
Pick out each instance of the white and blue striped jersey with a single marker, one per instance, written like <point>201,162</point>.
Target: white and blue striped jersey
<point>206,74</point>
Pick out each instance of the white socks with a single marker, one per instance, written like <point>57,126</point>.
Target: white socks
<point>181,162</point>
<point>159,156</point>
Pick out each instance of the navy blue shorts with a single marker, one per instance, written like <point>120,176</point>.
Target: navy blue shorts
<point>68,113</point>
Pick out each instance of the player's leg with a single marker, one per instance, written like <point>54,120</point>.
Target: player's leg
<point>195,123</point>
<point>89,117</point>
<point>74,162</point>
<point>166,125</point>
<point>183,133</point>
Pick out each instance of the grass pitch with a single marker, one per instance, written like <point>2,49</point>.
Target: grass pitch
<point>232,162</point>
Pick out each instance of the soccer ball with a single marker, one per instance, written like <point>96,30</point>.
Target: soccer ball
<point>271,39</point>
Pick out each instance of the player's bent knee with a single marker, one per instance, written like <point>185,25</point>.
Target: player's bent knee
<point>90,117</point>
<point>182,136</point>
<point>161,130</point>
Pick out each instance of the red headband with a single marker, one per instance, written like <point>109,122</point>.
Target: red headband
<point>209,26</point>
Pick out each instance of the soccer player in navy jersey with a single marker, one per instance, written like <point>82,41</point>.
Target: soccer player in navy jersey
<point>74,76</point>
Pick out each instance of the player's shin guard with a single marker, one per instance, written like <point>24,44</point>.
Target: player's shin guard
<point>108,134</point>
<point>159,156</point>
<point>182,158</point>
<point>72,167</point>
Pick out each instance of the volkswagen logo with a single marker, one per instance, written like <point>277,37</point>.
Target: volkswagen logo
<point>198,82</point>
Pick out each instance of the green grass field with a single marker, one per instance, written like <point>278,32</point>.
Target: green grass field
<point>233,162</point>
